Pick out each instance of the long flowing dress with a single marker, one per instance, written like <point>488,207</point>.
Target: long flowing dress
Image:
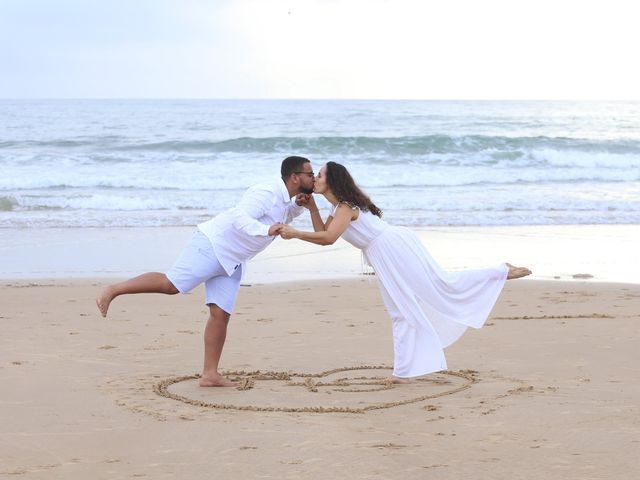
<point>430,308</point>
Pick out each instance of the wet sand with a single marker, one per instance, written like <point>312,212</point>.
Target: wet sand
<point>607,253</point>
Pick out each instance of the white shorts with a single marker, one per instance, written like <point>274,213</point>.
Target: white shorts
<point>197,264</point>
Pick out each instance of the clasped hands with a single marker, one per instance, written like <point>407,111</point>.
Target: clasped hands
<point>285,231</point>
<point>303,199</point>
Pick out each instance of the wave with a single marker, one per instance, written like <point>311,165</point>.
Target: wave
<point>542,168</point>
<point>561,203</point>
<point>136,218</point>
<point>340,145</point>
<point>7,204</point>
<point>524,197</point>
<point>382,178</point>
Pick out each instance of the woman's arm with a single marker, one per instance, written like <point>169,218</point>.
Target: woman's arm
<point>316,219</point>
<point>334,228</point>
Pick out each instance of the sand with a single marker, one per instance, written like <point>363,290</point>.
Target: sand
<point>549,388</point>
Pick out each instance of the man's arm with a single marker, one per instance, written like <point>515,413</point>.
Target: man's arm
<point>255,203</point>
<point>295,208</point>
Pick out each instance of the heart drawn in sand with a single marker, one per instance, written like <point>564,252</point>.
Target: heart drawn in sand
<point>341,390</point>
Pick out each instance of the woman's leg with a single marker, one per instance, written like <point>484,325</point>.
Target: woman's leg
<point>151,282</point>
<point>416,347</point>
<point>517,272</point>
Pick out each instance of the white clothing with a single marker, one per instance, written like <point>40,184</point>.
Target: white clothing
<point>240,233</point>
<point>198,264</point>
<point>430,308</point>
<point>216,253</point>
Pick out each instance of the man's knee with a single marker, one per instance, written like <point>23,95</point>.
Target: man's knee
<point>218,314</point>
<point>169,288</point>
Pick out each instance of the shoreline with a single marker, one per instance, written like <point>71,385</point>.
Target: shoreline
<point>346,280</point>
<point>599,253</point>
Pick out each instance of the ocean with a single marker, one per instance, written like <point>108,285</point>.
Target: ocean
<point>156,163</point>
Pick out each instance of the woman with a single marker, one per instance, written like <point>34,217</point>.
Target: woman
<point>430,308</point>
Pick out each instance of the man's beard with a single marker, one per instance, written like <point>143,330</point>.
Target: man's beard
<point>306,191</point>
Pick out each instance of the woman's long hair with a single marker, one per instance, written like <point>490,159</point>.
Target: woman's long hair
<point>345,189</point>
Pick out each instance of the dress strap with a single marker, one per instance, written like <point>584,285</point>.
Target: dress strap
<point>349,204</point>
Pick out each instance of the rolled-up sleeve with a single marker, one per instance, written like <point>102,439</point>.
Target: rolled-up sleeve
<point>255,203</point>
<point>293,210</point>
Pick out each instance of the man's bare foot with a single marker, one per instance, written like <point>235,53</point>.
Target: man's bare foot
<point>104,299</point>
<point>517,272</point>
<point>216,380</point>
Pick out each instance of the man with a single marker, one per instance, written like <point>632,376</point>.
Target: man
<point>217,252</point>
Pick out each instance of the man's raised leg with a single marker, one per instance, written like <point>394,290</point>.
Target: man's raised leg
<point>215,334</point>
<point>152,282</point>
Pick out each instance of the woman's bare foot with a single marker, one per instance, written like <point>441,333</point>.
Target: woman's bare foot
<point>216,380</point>
<point>397,380</point>
<point>517,272</point>
<point>104,299</point>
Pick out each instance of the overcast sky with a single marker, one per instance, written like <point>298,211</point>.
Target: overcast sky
<point>426,49</point>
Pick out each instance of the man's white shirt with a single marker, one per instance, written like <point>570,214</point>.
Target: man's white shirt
<point>240,233</point>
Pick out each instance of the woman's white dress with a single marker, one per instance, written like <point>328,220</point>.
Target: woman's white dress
<point>430,308</point>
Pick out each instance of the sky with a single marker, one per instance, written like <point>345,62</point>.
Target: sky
<point>340,49</point>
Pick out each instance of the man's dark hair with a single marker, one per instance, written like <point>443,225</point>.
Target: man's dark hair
<point>291,165</point>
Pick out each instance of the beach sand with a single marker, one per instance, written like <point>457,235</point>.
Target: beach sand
<point>549,388</point>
